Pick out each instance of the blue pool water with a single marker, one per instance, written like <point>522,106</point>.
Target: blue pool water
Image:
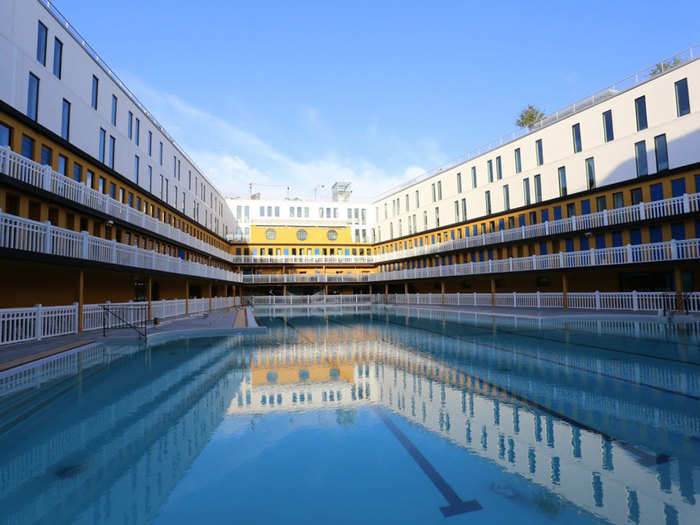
<point>382,416</point>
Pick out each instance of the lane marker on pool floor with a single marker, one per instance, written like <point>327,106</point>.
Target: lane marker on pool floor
<point>456,504</point>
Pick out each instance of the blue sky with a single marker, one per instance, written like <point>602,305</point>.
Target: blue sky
<point>306,93</point>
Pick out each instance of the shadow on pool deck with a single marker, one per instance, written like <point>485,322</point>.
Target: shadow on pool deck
<point>219,321</point>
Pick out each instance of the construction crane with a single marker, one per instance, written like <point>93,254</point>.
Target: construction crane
<point>251,184</point>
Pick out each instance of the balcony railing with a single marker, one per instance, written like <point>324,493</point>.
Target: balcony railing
<point>304,259</point>
<point>41,176</point>
<point>17,233</point>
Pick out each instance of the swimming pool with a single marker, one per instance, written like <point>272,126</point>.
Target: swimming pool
<point>388,415</point>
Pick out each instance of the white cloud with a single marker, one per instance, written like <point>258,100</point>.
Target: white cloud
<point>233,157</point>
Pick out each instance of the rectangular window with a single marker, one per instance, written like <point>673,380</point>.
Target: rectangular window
<point>89,178</point>
<point>136,169</point>
<point>576,136</point>
<point>150,179</point>
<point>33,97</point>
<point>618,200</point>
<point>95,91</point>
<point>640,156</point>
<point>4,135</point>
<point>65,120</point>
<point>473,176</point>
<point>62,165</point>
<point>487,199</point>
<point>682,98</point>
<point>102,145</point>
<point>590,173</point>
<point>46,154</point>
<point>137,131</point>
<point>114,110</point>
<point>636,196</point>
<point>130,126</point>
<point>518,161</point>
<point>562,181</point>
<point>601,203</point>
<point>28,147</point>
<point>77,172</point>
<point>526,191</point>
<point>459,187</point>
<point>112,147</point>
<point>506,198</point>
<point>434,193</point>
<point>150,145</point>
<point>499,168</point>
<point>417,200</point>
<point>42,32</point>
<point>640,111</point>
<point>608,134</point>
<point>112,190</point>
<point>57,57</point>
<point>661,153</point>
<point>161,155</point>
<point>437,217</point>
<point>439,188</point>
<point>539,152</point>
<point>456,211</point>
<point>489,170</point>
<point>464,212</point>
<point>538,188</point>
<point>101,185</point>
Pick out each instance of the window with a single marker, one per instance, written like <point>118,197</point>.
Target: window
<point>112,147</point>
<point>499,168</point>
<point>489,170</point>
<point>57,57</point>
<point>150,150</point>
<point>130,126</point>
<point>506,198</point>
<point>518,161</point>
<point>526,191</point>
<point>601,203</point>
<point>682,98</point>
<point>434,194</point>
<point>576,136</point>
<point>635,196</point>
<point>538,188</point>
<point>77,172</point>
<point>456,211</point>
<point>112,190</point>
<point>464,213</point>
<point>618,200</point>
<point>459,187</point>
<point>437,216</point>
<point>101,185</point>
<point>539,152</point>
<point>89,178</point>
<point>640,110</point>
<point>640,156</point>
<point>417,200</point>
<point>661,153</point>
<point>439,188</point>
<point>46,155</point>
<point>4,135</point>
<point>65,120</point>
<point>302,235</point>
<point>114,110</point>
<point>608,134</point>
<point>150,179</point>
<point>562,181</point>
<point>62,165</point>
<point>590,173</point>
<point>487,199</point>
<point>270,234</point>
<point>95,90</point>
<point>161,159</point>
<point>102,145</point>
<point>137,131</point>
<point>33,97</point>
<point>28,147</point>
<point>42,32</point>
<point>136,169</point>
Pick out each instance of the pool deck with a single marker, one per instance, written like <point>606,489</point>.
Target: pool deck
<point>219,322</point>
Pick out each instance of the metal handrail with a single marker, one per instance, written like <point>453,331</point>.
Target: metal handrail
<point>106,310</point>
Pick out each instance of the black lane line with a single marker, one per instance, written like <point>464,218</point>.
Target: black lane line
<point>644,458</point>
<point>456,504</point>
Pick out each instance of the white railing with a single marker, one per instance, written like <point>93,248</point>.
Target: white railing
<point>687,203</point>
<point>677,60</point>
<point>37,322</point>
<point>18,167</point>
<point>306,300</point>
<point>17,233</point>
<point>641,253</point>
<point>304,259</point>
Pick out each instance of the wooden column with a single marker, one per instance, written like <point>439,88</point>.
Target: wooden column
<point>493,291</point>
<point>405,288</point>
<point>284,289</point>
<point>565,289</point>
<point>81,298</point>
<point>149,293</point>
<point>187,297</point>
<point>678,281</point>
<point>209,287</point>
<point>442,291</point>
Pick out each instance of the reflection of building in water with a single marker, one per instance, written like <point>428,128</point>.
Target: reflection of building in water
<point>122,457</point>
<point>596,473</point>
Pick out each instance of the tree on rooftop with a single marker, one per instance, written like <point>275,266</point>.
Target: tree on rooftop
<point>660,67</point>
<point>529,117</point>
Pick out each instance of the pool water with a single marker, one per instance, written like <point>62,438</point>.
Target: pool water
<point>386,416</point>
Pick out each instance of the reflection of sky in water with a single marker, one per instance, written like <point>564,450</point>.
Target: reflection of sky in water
<point>535,425</point>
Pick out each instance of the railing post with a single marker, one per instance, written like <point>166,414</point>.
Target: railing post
<point>605,217</point>
<point>573,223</point>
<point>635,300</point>
<point>113,254</point>
<point>46,178</point>
<point>48,243</point>
<point>597,300</point>
<point>642,211</point>
<point>592,261</point>
<point>546,227</point>
<point>561,259</point>
<point>515,299</point>
<point>686,203</point>
<point>539,302</point>
<point>39,320</point>
<point>84,235</point>
<point>628,253</point>
<point>76,319</point>
<point>674,249</point>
